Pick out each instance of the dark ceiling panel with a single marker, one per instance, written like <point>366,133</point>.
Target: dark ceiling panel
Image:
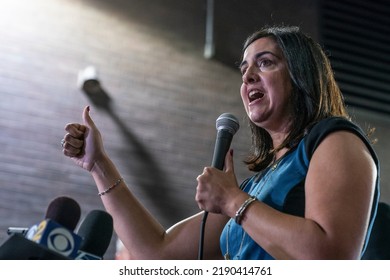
<point>235,20</point>
<point>356,34</point>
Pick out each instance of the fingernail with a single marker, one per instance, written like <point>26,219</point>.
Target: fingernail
<point>88,108</point>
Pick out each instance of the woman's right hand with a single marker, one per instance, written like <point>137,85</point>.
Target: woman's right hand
<point>83,142</point>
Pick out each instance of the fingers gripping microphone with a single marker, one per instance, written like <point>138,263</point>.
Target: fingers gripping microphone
<point>96,231</point>
<point>227,125</point>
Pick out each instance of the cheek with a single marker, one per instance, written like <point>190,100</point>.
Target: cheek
<point>283,85</point>
<point>242,93</point>
<point>244,97</point>
<point>287,83</point>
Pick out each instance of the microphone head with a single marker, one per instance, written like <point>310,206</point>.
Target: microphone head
<point>96,231</point>
<point>228,122</point>
<point>64,211</point>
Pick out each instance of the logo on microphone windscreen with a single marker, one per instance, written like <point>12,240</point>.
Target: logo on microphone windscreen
<point>57,238</point>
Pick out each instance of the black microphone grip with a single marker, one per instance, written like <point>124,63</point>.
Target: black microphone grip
<point>222,145</point>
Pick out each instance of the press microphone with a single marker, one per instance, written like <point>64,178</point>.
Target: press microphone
<point>227,125</point>
<point>56,231</point>
<point>65,211</point>
<point>96,231</point>
<point>54,211</point>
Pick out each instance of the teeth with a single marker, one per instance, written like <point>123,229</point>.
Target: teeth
<point>255,94</point>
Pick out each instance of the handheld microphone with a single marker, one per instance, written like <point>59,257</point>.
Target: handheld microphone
<point>227,125</point>
<point>96,231</point>
<point>56,231</point>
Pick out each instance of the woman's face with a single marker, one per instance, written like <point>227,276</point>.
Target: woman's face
<point>266,86</point>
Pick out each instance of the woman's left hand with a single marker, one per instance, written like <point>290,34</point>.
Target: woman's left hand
<point>217,188</point>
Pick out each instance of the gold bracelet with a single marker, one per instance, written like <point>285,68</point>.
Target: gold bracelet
<point>241,210</point>
<point>110,188</point>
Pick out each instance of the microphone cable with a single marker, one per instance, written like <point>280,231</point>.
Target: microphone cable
<point>201,238</point>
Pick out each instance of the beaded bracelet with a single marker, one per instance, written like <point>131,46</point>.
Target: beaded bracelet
<point>110,188</point>
<point>242,209</point>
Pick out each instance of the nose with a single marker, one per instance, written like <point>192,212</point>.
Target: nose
<point>250,76</point>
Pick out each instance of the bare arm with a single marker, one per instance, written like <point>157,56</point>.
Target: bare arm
<point>143,236</point>
<point>339,191</point>
<point>140,232</point>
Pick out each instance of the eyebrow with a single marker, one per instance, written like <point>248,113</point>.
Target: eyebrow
<point>260,54</point>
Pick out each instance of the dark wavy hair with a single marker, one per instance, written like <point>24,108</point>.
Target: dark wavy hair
<point>315,93</point>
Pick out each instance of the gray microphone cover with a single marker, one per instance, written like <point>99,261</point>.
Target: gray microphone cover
<point>227,121</point>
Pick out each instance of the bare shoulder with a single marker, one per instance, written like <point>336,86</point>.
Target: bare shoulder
<point>342,164</point>
<point>345,148</point>
<point>340,187</point>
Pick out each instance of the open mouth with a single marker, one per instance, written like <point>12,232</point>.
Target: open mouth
<point>255,95</point>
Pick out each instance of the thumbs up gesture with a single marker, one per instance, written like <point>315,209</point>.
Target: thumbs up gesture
<point>83,142</point>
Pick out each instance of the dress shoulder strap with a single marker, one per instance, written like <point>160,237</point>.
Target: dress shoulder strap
<point>326,126</point>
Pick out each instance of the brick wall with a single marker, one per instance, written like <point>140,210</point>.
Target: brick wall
<point>159,126</point>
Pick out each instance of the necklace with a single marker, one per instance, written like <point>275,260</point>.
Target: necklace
<point>265,177</point>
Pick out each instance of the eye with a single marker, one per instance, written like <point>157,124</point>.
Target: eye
<point>243,70</point>
<point>264,63</point>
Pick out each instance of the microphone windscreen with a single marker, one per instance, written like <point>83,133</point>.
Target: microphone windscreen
<point>96,230</point>
<point>227,121</point>
<point>64,211</point>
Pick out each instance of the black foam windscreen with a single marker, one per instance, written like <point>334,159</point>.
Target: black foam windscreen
<point>96,230</point>
<point>65,211</point>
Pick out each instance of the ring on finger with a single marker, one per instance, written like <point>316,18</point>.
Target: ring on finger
<point>63,143</point>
